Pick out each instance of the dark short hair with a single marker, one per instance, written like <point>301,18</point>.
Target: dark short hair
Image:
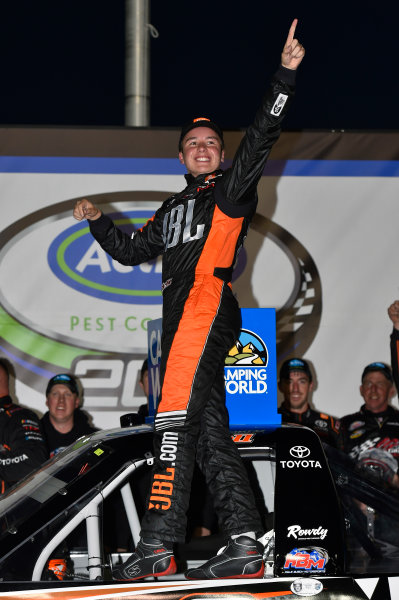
<point>378,367</point>
<point>295,364</point>
<point>63,379</point>
<point>144,369</point>
<point>200,122</point>
<point>6,366</point>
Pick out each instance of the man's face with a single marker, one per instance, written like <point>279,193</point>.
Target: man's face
<point>296,391</point>
<point>145,385</point>
<point>61,403</point>
<point>376,391</point>
<point>4,386</point>
<point>201,151</point>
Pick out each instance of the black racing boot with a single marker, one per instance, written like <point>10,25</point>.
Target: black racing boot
<point>241,558</point>
<point>151,558</point>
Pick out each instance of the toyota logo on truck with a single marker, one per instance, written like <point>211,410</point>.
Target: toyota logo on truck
<point>299,452</point>
<point>300,459</point>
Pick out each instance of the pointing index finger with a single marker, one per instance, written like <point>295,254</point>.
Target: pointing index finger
<point>291,32</point>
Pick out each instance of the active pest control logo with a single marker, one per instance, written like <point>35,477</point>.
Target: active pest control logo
<point>246,363</point>
<point>77,259</point>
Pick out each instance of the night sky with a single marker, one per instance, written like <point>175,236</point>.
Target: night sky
<point>62,62</point>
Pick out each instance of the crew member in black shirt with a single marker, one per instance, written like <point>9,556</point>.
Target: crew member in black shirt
<point>371,435</point>
<point>296,384</point>
<point>22,447</point>
<point>64,422</point>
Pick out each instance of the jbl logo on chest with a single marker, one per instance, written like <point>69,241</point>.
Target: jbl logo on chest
<point>177,226</point>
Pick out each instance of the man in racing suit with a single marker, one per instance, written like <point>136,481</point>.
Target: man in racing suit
<point>22,447</point>
<point>199,231</point>
<point>296,384</point>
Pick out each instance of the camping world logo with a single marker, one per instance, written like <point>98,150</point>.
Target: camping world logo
<point>79,262</point>
<point>246,363</point>
<point>249,349</point>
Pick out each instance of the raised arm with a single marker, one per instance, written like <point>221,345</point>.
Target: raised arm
<point>143,245</point>
<point>393,312</point>
<point>293,52</point>
<point>240,183</point>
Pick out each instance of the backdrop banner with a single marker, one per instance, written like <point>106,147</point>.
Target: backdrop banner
<point>320,251</point>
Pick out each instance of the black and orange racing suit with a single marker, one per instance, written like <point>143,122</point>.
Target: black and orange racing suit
<point>22,447</point>
<point>324,425</point>
<point>365,430</point>
<point>199,232</point>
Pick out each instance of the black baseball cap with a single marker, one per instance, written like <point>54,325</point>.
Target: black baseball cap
<point>63,379</point>
<point>295,364</point>
<point>200,122</point>
<point>381,367</point>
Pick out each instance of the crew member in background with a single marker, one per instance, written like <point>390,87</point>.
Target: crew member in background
<point>371,435</point>
<point>62,425</point>
<point>143,408</point>
<point>371,438</point>
<point>199,232</point>
<point>296,385</point>
<point>393,312</point>
<point>22,447</point>
<point>64,422</point>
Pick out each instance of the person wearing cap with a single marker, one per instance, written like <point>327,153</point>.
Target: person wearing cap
<point>374,427</point>
<point>199,233</point>
<point>371,438</point>
<point>62,425</point>
<point>64,422</point>
<point>296,385</point>
<point>22,448</point>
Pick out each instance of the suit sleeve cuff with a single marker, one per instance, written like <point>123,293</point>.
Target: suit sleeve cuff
<point>286,75</point>
<point>395,334</point>
<point>100,225</point>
